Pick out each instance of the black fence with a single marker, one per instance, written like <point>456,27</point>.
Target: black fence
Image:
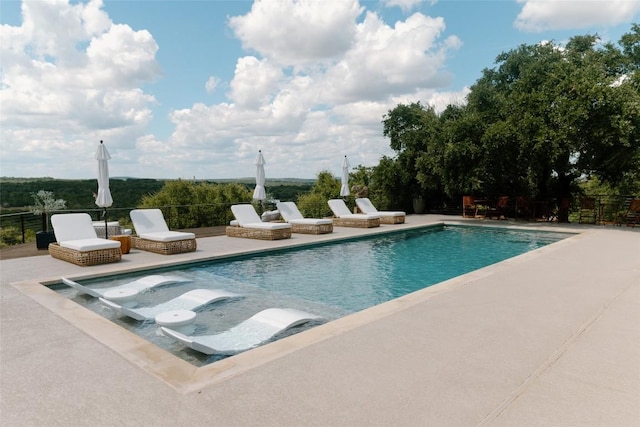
<point>21,227</point>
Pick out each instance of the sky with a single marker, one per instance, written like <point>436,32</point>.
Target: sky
<point>193,89</point>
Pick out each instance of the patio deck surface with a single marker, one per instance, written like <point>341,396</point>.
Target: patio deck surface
<point>549,338</point>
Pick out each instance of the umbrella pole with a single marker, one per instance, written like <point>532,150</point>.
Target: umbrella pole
<point>106,229</point>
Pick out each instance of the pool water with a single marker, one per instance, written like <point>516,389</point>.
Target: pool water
<point>330,280</point>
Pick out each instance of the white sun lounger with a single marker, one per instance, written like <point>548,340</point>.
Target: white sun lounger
<point>386,217</point>
<point>191,300</point>
<point>248,334</point>
<point>142,284</point>
<point>300,224</point>
<point>153,234</point>
<point>344,217</point>
<point>251,226</point>
<point>78,243</point>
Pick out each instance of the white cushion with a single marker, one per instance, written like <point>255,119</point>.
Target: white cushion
<point>270,216</point>
<point>339,207</point>
<point>148,221</point>
<point>245,214</point>
<point>74,226</point>
<point>84,245</point>
<point>289,211</point>
<point>167,236</point>
<point>365,205</point>
<point>267,225</point>
<point>361,216</point>
<point>311,221</point>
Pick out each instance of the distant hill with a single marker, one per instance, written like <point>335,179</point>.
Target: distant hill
<point>126,191</point>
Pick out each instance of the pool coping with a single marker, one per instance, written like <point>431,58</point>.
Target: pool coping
<point>186,378</point>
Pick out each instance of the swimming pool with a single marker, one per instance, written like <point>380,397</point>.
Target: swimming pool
<point>331,280</point>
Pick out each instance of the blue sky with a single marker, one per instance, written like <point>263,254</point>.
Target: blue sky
<point>183,89</point>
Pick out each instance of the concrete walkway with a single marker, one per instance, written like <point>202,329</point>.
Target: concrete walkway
<point>549,338</point>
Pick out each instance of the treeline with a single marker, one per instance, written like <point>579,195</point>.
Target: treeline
<point>15,194</point>
<point>78,194</point>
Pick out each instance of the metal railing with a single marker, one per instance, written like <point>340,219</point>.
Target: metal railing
<point>21,227</point>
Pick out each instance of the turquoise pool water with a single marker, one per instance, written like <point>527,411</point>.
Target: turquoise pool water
<point>330,280</point>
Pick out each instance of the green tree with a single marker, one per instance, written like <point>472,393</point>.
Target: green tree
<point>186,204</point>
<point>538,123</point>
<point>314,204</point>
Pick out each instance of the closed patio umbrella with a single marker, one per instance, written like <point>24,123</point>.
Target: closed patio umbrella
<point>103,199</point>
<point>259,192</point>
<point>344,189</point>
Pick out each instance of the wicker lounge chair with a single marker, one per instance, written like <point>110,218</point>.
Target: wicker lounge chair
<point>344,217</point>
<point>300,224</point>
<point>250,226</point>
<point>386,217</point>
<point>252,332</point>
<point>153,234</point>
<point>78,243</point>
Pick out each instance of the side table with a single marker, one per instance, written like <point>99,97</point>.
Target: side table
<point>125,242</point>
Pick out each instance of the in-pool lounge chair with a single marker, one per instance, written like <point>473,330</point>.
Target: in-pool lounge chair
<point>344,217</point>
<point>139,285</point>
<point>250,225</point>
<point>300,224</point>
<point>153,234</point>
<point>191,300</point>
<point>386,217</point>
<point>248,334</point>
<point>78,243</point>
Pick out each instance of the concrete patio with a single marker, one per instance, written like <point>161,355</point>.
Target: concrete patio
<point>549,338</point>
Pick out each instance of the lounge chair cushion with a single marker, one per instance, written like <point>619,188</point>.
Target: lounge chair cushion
<point>248,218</point>
<point>267,225</point>
<point>365,205</point>
<point>167,236</point>
<point>311,221</point>
<point>93,244</point>
<point>289,211</point>
<point>74,226</point>
<point>148,221</point>
<point>292,215</point>
<point>340,209</point>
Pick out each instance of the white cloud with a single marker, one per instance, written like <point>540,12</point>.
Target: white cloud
<point>540,15</point>
<point>294,32</point>
<point>405,5</point>
<point>71,77</point>
<point>211,84</point>
<point>319,106</point>
<point>254,82</point>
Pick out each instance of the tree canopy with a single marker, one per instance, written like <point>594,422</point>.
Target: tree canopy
<point>544,118</point>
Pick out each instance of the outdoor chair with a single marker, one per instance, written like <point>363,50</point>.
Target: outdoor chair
<point>249,225</point>
<point>300,224</point>
<point>78,243</point>
<point>344,217</point>
<point>500,210</point>
<point>632,215</point>
<point>386,217</point>
<point>153,234</point>
<point>587,211</point>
